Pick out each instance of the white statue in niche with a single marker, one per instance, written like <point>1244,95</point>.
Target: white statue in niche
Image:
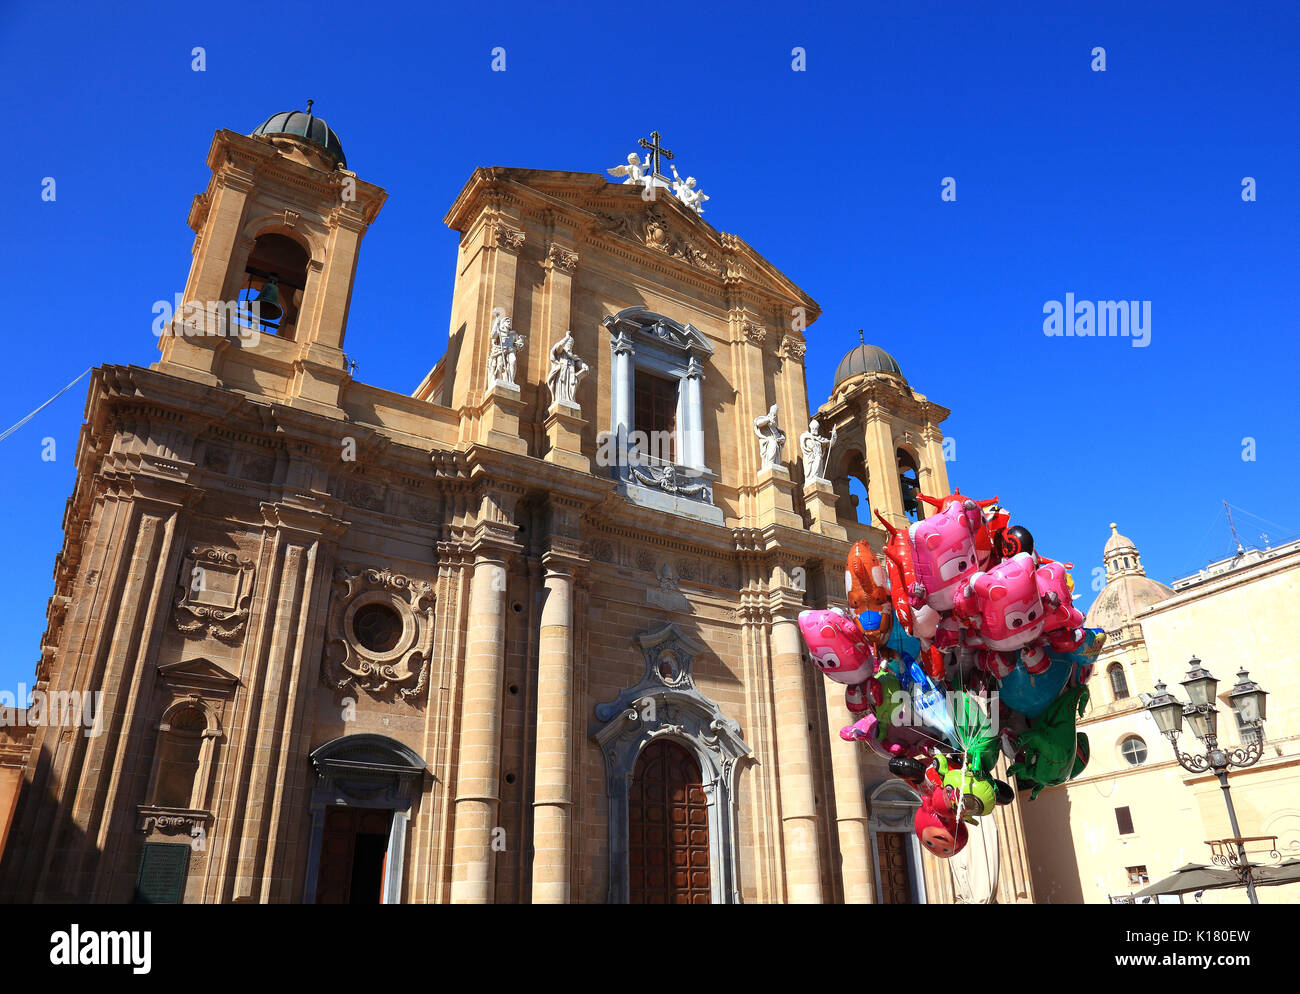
<point>506,342</point>
<point>685,191</point>
<point>565,372</point>
<point>771,439</point>
<point>816,452</point>
<point>636,171</point>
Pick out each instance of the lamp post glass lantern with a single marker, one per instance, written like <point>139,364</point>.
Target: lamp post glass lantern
<point>1166,709</point>
<point>1248,699</point>
<point>1248,703</point>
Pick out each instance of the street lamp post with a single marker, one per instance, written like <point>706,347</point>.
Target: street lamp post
<point>1248,703</point>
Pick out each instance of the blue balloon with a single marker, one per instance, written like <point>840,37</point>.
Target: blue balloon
<point>1030,694</point>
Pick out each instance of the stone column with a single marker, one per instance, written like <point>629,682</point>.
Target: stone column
<point>621,408</point>
<point>938,475</point>
<point>794,755</point>
<point>850,805</point>
<point>553,793</point>
<point>694,443</point>
<point>883,490</point>
<point>478,789</point>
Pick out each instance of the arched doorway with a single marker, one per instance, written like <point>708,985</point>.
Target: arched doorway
<point>896,853</point>
<point>365,788</point>
<point>668,828</point>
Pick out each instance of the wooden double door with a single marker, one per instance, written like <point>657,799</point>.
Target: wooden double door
<point>668,828</point>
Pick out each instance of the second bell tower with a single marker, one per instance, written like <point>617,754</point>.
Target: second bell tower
<point>280,226</point>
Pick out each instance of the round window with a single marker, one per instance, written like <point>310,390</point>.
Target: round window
<point>1134,750</point>
<point>377,627</point>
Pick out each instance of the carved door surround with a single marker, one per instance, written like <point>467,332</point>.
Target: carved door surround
<point>364,771</point>
<point>892,808</point>
<point>666,703</point>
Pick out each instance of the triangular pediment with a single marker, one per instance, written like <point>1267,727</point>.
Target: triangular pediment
<point>197,671</point>
<point>661,228</point>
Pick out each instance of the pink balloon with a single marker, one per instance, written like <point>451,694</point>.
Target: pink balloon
<point>837,645</point>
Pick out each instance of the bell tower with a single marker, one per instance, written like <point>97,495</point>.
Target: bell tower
<point>888,439</point>
<point>277,236</point>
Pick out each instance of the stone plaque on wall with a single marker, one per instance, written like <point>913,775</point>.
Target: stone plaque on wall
<point>163,869</point>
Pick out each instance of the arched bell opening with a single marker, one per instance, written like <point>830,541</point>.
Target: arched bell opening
<point>850,483</point>
<point>909,484</point>
<point>275,278</point>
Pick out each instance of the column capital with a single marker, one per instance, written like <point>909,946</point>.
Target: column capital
<point>621,344</point>
<point>564,557</point>
<point>560,258</point>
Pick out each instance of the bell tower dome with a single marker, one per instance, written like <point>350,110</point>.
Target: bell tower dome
<point>278,233</point>
<point>887,439</point>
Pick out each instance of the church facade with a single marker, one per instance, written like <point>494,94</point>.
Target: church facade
<point>525,635</point>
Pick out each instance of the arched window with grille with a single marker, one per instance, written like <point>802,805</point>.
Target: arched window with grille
<point>1118,682</point>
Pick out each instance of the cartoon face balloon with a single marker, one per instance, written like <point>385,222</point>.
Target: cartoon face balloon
<point>867,586</point>
<point>942,834</point>
<point>943,550</point>
<point>1003,605</point>
<point>983,536</point>
<point>837,646</point>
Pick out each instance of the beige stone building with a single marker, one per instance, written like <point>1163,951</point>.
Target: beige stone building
<point>464,645</point>
<point>1135,815</point>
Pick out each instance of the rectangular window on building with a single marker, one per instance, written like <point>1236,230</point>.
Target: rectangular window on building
<point>1124,818</point>
<point>656,414</point>
<point>1137,876</point>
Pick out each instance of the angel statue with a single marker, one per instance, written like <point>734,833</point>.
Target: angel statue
<point>636,171</point>
<point>771,439</point>
<point>565,372</point>
<point>816,452</point>
<point>685,191</point>
<point>505,343</point>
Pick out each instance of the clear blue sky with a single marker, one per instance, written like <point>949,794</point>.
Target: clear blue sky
<point>1117,184</point>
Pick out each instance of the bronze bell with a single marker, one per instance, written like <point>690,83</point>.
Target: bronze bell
<point>268,301</point>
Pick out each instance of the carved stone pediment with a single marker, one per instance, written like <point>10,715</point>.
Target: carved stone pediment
<point>200,676</point>
<point>642,323</point>
<point>612,213</point>
<point>379,633</point>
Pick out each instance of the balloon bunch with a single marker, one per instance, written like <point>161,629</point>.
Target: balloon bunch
<point>962,606</point>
